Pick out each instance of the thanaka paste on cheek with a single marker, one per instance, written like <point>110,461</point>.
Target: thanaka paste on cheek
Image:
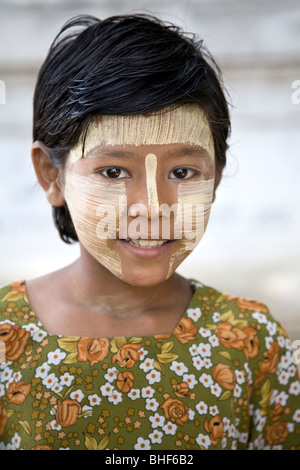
<point>95,208</point>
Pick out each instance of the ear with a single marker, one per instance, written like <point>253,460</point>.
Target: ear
<point>48,176</point>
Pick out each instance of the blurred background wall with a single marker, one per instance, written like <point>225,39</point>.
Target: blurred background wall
<point>251,247</point>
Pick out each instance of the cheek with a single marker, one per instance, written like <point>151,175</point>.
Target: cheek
<point>194,204</point>
<point>94,209</point>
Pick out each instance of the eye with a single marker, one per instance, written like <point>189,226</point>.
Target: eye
<point>114,172</point>
<point>182,173</point>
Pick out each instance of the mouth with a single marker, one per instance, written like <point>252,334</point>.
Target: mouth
<point>146,248</point>
<point>149,244</point>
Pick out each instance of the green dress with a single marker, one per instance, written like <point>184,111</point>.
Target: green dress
<point>224,379</point>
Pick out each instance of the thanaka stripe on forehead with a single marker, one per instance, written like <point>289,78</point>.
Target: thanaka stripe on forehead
<point>185,124</point>
<point>151,168</point>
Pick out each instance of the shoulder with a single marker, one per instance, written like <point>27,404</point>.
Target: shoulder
<point>230,308</point>
<point>239,323</point>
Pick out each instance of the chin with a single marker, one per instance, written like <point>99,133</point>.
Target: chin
<point>145,277</point>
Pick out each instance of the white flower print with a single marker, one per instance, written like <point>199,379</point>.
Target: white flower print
<point>154,376</point>
<point>42,371</point>
<point>214,341</point>
<point>66,379</point>
<point>55,426</point>
<point>50,380</point>
<point>285,361</point>
<point>157,420</point>
<point>193,350</point>
<point>170,428</point>
<point>216,390</point>
<point>77,395</point>
<point>272,328</point>
<point>56,387</point>
<point>198,362</point>
<point>213,410</point>
<point>6,374</point>
<point>142,444</point>
<point>203,440</point>
<point>237,391</point>
<point>216,317</point>
<point>206,380</point>
<point>32,328</point>
<point>194,313</point>
<point>2,390</point>
<point>204,350</point>
<point>179,368</point>
<point>134,393</point>
<point>190,379</point>
<point>283,377</point>
<point>148,392</point>
<point>151,404</point>
<point>107,389</point>
<point>207,363</point>
<point>260,317</point>
<point>55,357</point>
<point>295,388</point>
<point>240,377</point>
<point>94,399</point>
<point>142,353</point>
<point>282,398</point>
<point>111,374</point>
<point>296,416</point>
<point>204,332</point>
<point>201,407</point>
<point>17,376</point>
<point>147,365</point>
<point>156,437</point>
<point>115,397</point>
<point>16,440</point>
<point>39,335</point>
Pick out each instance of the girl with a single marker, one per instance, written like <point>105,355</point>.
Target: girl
<point>117,351</point>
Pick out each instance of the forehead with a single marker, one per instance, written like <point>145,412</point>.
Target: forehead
<point>184,124</point>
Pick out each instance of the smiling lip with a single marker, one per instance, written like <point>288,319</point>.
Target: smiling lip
<point>147,252</point>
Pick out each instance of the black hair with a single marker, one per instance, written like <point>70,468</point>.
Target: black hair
<point>122,65</point>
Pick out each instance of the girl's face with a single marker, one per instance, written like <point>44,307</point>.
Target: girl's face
<point>140,195</point>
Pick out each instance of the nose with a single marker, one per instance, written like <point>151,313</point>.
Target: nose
<point>145,201</point>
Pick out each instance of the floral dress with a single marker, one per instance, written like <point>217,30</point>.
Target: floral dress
<point>224,379</point>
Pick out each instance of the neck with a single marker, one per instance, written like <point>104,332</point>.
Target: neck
<point>95,288</point>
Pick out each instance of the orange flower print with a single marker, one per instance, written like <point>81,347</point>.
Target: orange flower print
<point>19,287</point>
<point>277,433</point>
<point>185,331</point>
<point>67,412</point>
<point>176,411</point>
<point>215,428</point>
<point>242,302</point>
<point>231,337</point>
<point>92,349</point>
<point>269,364</point>
<point>182,390</point>
<point>15,340</point>
<point>42,447</point>
<point>224,375</point>
<point>125,381</point>
<point>251,348</point>
<point>127,355</point>
<point>17,392</point>
<point>3,420</point>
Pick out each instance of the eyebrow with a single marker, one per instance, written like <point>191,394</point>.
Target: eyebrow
<point>101,151</point>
